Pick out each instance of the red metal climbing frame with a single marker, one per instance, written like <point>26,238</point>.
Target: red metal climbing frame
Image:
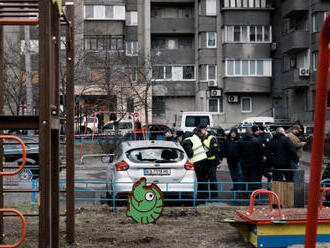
<point>4,173</point>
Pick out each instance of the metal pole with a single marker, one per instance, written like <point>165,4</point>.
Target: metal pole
<point>69,130</point>
<point>1,109</point>
<point>318,136</point>
<point>44,122</point>
<point>55,142</point>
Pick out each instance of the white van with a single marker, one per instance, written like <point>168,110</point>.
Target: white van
<point>190,120</point>
<point>260,120</point>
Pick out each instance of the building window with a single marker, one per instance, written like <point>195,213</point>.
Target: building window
<point>158,107</point>
<point>216,105</point>
<point>315,56</point>
<point>131,18</point>
<point>188,72</point>
<point>211,40</point>
<point>245,4</point>
<point>249,68</point>
<point>314,23</point>
<point>246,104</point>
<point>172,43</point>
<point>162,72</point>
<point>108,12</point>
<point>173,73</point>
<point>211,7</point>
<point>103,42</point>
<point>132,48</point>
<point>171,12</point>
<point>248,34</point>
<point>130,105</point>
<point>211,72</point>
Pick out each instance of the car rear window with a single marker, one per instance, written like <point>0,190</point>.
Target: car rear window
<point>194,121</point>
<point>159,155</point>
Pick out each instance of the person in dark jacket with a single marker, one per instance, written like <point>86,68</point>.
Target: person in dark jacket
<point>211,147</point>
<point>168,133</point>
<point>230,151</point>
<point>264,138</point>
<point>282,151</point>
<point>251,156</point>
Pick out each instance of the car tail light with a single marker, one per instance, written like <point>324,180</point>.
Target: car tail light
<point>188,166</point>
<point>122,166</point>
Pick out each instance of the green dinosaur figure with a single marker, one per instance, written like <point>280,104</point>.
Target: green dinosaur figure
<point>145,203</point>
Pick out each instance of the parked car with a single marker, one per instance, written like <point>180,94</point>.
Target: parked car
<point>124,127</point>
<point>13,153</point>
<point>155,129</point>
<point>218,132</point>
<point>161,162</point>
<point>92,124</point>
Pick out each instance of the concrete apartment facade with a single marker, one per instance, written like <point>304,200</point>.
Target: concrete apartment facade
<point>234,58</point>
<point>297,25</point>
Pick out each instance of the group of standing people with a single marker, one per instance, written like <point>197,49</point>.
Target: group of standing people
<point>256,154</point>
<point>249,157</point>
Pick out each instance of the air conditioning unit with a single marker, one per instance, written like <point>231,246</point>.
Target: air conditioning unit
<point>212,83</point>
<point>214,93</point>
<point>232,98</point>
<point>303,72</point>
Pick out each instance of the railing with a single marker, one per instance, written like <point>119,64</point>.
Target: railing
<point>96,191</point>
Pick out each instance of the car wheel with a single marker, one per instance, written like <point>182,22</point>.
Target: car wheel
<point>25,175</point>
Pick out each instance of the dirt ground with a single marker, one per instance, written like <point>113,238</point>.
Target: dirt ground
<point>177,227</point>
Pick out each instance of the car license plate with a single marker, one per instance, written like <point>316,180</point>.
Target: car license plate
<point>157,172</point>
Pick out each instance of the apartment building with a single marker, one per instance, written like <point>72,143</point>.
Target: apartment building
<point>297,33</point>
<point>234,58</point>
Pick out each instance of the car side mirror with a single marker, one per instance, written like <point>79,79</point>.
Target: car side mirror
<point>107,159</point>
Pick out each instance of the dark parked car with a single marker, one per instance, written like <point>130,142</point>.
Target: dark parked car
<point>155,129</point>
<point>13,153</point>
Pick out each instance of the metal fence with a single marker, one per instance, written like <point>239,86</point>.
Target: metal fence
<point>96,191</point>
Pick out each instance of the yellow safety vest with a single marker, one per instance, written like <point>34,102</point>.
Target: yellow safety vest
<point>207,143</point>
<point>198,149</point>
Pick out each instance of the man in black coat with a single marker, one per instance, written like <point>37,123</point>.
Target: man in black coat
<point>230,152</point>
<point>281,152</point>
<point>251,157</point>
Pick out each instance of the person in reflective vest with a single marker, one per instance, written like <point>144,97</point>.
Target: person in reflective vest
<point>194,149</point>
<point>212,149</point>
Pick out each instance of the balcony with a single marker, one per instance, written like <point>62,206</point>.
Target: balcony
<point>295,41</point>
<point>294,8</point>
<point>165,88</point>
<point>172,26</point>
<point>175,56</point>
<point>291,79</point>
<point>247,84</point>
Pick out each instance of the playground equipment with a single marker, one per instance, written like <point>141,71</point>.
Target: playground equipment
<point>284,227</point>
<point>7,173</point>
<point>47,14</point>
<point>278,227</point>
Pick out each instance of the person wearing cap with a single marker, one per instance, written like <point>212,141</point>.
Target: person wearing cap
<point>295,140</point>
<point>255,131</point>
<point>251,157</point>
<point>194,149</point>
<point>212,149</point>
<point>230,152</point>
